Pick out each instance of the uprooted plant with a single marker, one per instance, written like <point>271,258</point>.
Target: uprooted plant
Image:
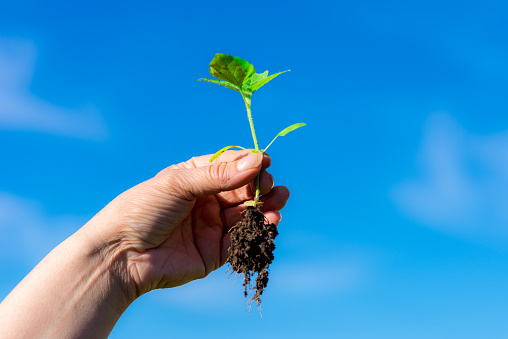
<point>252,239</point>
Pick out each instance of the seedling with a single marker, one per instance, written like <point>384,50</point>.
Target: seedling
<point>239,75</point>
<point>252,239</point>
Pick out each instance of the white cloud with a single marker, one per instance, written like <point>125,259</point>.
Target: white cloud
<point>304,280</point>
<point>328,277</point>
<point>215,292</point>
<point>27,232</point>
<point>21,110</point>
<point>308,280</point>
<point>462,186</point>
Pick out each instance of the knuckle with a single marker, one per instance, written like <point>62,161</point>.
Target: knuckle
<point>174,183</point>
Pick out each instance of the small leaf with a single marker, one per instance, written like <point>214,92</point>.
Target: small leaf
<point>285,131</point>
<point>222,83</point>
<point>257,85</point>
<point>231,69</point>
<point>290,129</point>
<point>222,150</point>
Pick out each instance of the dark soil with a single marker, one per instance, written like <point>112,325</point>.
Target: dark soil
<point>251,250</point>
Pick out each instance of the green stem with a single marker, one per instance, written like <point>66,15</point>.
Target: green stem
<point>251,122</point>
<point>256,199</point>
<point>247,101</point>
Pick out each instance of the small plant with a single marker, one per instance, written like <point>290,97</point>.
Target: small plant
<point>252,245</point>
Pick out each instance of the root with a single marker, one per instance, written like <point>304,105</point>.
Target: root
<point>251,251</point>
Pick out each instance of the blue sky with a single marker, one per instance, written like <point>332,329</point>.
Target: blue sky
<point>397,226</point>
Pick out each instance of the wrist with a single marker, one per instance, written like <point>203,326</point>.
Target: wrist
<point>106,257</point>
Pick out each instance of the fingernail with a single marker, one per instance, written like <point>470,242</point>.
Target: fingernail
<point>250,161</point>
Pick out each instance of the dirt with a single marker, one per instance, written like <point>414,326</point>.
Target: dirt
<point>251,250</point>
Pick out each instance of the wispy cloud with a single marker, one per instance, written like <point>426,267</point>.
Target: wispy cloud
<point>21,110</point>
<point>309,279</point>
<point>27,232</point>
<point>462,183</point>
<point>306,281</point>
<point>331,277</point>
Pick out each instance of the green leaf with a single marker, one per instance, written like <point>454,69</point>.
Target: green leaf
<point>255,78</point>
<point>231,69</point>
<point>286,131</point>
<point>290,129</point>
<point>222,83</point>
<point>258,84</point>
<point>222,150</point>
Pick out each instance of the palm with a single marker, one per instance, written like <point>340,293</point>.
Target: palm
<point>196,247</point>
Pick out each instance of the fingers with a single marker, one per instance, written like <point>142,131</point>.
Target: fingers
<point>276,199</point>
<point>213,178</point>
<point>247,192</point>
<point>265,184</point>
<point>272,202</point>
<point>273,217</point>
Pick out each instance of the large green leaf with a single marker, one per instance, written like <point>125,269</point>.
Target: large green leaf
<point>231,69</point>
<point>286,131</point>
<point>258,84</point>
<point>222,150</point>
<point>222,83</point>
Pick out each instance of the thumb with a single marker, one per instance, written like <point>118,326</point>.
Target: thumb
<point>218,177</point>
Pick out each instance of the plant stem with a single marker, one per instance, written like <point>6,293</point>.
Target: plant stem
<point>256,199</point>
<point>247,100</point>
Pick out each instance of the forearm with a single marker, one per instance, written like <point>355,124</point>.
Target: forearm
<point>73,292</point>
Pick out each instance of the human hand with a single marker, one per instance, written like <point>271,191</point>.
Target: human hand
<point>164,232</point>
<point>173,228</point>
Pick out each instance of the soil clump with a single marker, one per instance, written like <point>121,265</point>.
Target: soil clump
<point>251,250</point>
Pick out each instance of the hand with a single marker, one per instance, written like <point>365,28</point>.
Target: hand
<point>173,228</point>
<point>164,232</point>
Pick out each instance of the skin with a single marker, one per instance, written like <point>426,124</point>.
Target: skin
<point>162,233</point>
